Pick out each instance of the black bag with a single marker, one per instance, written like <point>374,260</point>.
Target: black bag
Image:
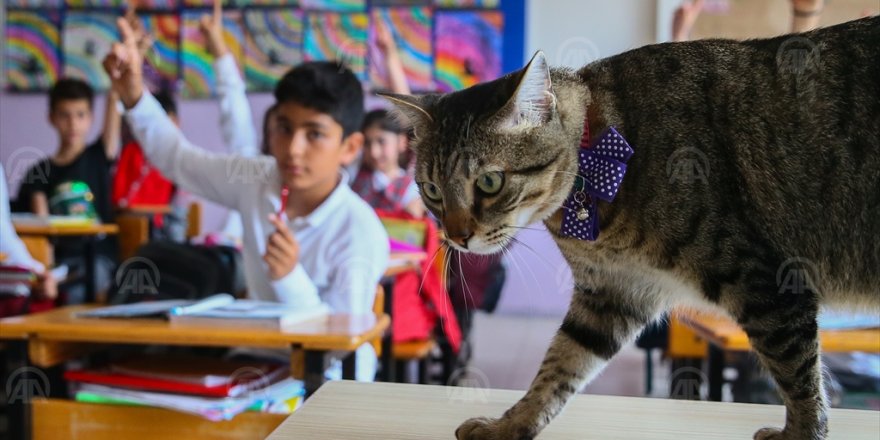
<point>167,270</point>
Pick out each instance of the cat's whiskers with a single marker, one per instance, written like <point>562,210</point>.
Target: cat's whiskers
<point>433,258</point>
<point>465,289</point>
<point>510,238</point>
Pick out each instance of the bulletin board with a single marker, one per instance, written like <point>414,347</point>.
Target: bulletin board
<point>745,19</point>
<point>444,45</point>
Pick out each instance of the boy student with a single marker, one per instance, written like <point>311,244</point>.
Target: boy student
<point>307,237</point>
<point>76,179</point>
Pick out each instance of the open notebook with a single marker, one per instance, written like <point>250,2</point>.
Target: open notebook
<point>220,309</point>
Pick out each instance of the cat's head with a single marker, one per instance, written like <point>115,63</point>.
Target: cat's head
<point>492,158</point>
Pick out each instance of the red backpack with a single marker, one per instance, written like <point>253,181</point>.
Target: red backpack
<point>137,182</point>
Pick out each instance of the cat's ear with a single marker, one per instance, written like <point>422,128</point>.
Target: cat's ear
<point>412,110</point>
<point>533,101</point>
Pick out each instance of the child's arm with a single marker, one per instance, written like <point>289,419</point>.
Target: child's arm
<point>39,203</point>
<point>236,123</point>
<point>110,135</point>
<point>806,14</point>
<point>412,202</point>
<point>10,244</point>
<point>393,64</point>
<point>221,178</point>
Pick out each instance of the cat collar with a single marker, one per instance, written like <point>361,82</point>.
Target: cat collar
<point>601,166</point>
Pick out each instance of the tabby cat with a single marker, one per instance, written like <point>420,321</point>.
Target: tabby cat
<point>783,136</point>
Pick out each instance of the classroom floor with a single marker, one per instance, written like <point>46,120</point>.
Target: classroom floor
<point>508,350</point>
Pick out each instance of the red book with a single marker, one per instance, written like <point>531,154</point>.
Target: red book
<point>233,388</point>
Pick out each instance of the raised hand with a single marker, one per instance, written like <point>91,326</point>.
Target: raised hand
<point>684,19</point>
<point>144,40</point>
<point>384,39</point>
<point>124,65</point>
<point>211,27</point>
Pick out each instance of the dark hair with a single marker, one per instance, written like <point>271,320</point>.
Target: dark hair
<point>328,87</point>
<point>166,100</point>
<point>70,89</point>
<point>384,120</point>
<point>264,145</point>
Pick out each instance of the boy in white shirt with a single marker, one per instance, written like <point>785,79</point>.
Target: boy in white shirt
<point>328,245</point>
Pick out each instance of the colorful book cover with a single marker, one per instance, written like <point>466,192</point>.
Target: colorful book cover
<point>338,37</point>
<point>31,55</point>
<point>468,48</point>
<point>273,44</point>
<point>95,3</point>
<point>88,37</point>
<point>411,28</point>
<point>199,79</point>
<point>266,2</point>
<point>160,65</point>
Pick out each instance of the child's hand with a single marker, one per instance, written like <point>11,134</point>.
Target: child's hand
<point>47,286</point>
<point>144,40</point>
<point>124,65</point>
<point>212,29</point>
<point>282,250</point>
<point>384,39</point>
<point>684,19</point>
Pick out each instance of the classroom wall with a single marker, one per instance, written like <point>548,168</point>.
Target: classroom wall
<point>571,33</point>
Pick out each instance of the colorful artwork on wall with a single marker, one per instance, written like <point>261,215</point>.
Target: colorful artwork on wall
<point>31,52</point>
<point>467,49</point>
<point>338,37</point>
<point>199,80</point>
<point>273,40</point>
<point>411,29</point>
<point>87,38</point>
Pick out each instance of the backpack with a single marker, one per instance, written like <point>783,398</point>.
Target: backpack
<point>167,270</point>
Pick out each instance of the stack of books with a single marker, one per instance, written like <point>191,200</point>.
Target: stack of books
<point>208,387</point>
<point>16,280</point>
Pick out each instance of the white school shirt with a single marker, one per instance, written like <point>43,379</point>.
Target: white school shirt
<point>10,244</point>
<point>343,246</point>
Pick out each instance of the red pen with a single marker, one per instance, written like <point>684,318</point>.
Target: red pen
<point>284,193</point>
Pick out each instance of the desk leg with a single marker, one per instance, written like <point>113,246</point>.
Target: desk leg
<point>90,270</point>
<point>716,372</point>
<point>22,386</point>
<point>316,364</point>
<point>349,366</point>
<point>389,373</point>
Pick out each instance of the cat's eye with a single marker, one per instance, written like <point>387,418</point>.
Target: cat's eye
<point>431,192</point>
<point>490,183</point>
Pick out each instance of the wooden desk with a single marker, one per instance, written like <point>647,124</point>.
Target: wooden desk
<point>42,232</point>
<point>46,339</point>
<point>381,411</point>
<point>724,335</point>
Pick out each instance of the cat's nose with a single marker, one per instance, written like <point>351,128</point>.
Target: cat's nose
<point>461,238</point>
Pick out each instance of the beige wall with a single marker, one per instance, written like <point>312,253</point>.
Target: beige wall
<point>765,18</point>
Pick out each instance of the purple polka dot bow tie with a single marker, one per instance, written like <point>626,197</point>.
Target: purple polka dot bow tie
<point>601,166</point>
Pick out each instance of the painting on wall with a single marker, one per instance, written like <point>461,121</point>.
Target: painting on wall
<point>468,48</point>
<point>338,37</point>
<point>87,38</point>
<point>31,57</point>
<point>199,80</point>
<point>273,44</point>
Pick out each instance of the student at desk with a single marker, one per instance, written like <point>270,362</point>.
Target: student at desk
<point>314,241</point>
<point>17,254</point>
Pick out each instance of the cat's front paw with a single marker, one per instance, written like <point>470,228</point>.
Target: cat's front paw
<point>772,434</point>
<point>483,428</point>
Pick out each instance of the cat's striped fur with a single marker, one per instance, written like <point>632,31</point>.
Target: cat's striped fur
<point>786,181</point>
